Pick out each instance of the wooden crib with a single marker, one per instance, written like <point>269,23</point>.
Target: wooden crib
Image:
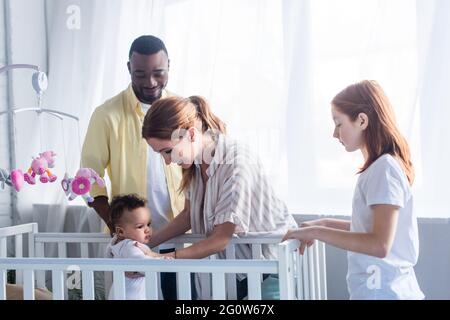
<point>300,277</point>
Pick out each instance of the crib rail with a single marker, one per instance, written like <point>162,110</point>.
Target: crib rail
<point>16,235</point>
<point>300,277</point>
<point>218,269</point>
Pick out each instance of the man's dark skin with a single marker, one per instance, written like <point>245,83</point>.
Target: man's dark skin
<point>149,76</point>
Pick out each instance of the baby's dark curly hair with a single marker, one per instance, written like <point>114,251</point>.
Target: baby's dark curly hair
<point>121,203</point>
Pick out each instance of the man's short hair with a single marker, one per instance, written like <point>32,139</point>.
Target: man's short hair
<point>147,45</point>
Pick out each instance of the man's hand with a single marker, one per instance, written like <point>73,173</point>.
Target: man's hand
<point>101,206</point>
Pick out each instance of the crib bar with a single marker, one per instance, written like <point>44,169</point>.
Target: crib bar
<point>184,285</point>
<point>3,251</point>
<point>305,274</point>
<point>185,239</point>
<point>256,251</point>
<point>62,250</point>
<point>87,278</point>
<point>48,237</point>
<point>28,285</point>
<point>257,237</point>
<point>84,248</point>
<point>31,240</point>
<point>254,286</point>
<point>230,253</point>
<point>40,275</point>
<point>3,284</point>
<point>151,285</point>
<point>316,263</point>
<point>58,284</point>
<point>141,265</point>
<point>218,286</point>
<point>312,275</point>
<point>285,273</point>
<point>119,285</point>
<point>18,246</point>
<point>323,271</point>
<point>299,274</point>
<point>18,243</point>
<point>108,282</point>
<point>294,260</point>
<point>62,253</point>
<point>40,250</point>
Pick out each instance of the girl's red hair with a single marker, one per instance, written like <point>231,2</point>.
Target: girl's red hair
<point>381,135</point>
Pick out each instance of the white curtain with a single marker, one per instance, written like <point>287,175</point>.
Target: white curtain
<point>86,44</point>
<point>402,44</point>
<point>433,106</point>
<point>269,69</point>
<point>231,52</point>
<point>87,65</point>
<point>339,43</point>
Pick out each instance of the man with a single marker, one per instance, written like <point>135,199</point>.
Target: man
<point>114,142</point>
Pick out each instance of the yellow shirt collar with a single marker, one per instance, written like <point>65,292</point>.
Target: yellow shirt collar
<point>134,102</point>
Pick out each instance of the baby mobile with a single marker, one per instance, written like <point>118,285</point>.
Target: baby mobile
<point>39,169</point>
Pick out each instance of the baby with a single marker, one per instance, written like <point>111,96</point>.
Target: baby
<point>131,222</point>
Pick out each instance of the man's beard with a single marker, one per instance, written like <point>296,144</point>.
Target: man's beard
<point>145,98</point>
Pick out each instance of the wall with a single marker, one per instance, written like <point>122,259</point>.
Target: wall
<point>432,269</point>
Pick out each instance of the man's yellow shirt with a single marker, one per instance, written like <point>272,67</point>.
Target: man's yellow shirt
<point>114,142</point>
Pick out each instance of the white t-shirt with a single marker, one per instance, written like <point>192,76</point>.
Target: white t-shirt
<point>158,193</point>
<point>126,249</point>
<point>393,277</point>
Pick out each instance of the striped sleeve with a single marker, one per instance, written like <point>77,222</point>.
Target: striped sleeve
<point>234,203</point>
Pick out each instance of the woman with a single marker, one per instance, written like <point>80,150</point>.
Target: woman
<point>226,190</point>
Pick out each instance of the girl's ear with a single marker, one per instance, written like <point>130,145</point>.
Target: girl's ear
<point>363,120</point>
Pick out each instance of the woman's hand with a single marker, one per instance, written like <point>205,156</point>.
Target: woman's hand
<point>164,256</point>
<point>169,255</point>
<point>304,234</point>
<point>149,252</point>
